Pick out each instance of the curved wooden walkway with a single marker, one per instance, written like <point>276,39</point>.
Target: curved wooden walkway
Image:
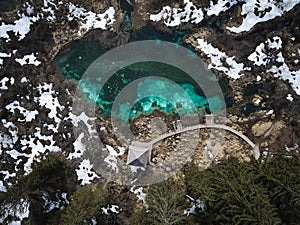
<point>256,151</point>
<point>202,126</point>
<point>148,146</point>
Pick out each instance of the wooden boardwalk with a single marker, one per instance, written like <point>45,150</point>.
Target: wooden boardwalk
<point>203,126</point>
<point>208,125</point>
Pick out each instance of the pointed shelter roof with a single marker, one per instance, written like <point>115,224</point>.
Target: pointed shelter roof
<point>138,156</point>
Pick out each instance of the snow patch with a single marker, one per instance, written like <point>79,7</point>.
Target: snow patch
<point>2,187</point>
<point>257,101</point>
<point>28,115</point>
<point>195,204</point>
<point>7,174</point>
<point>24,80</point>
<point>267,54</point>
<point>258,78</point>
<point>47,100</point>
<point>8,140</point>
<point>257,11</point>
<point>58,203</point>
<point>28,59</point>
<point>290,149</point>
<point>3,55</point>
<point>111,159</point>
<point>4,81</point>
<point>90,20</point>
<point>48,204</point>
<point>79,148</point>
<point>140,194</point>
<point>284,73</point>
<point>175,16</point>
<point>290,97</point>
<point>89,122</point>
<point>48,9</point>
<point>14,154</point>
<point>20,27</point>
<point>260,56</point>
<point>135,169</point>
<point>85,173</point>
<point>36,143</point>
<point>21,213</point>
<point>220,6</point>
<point>220,61</point>
<point>110,209</point>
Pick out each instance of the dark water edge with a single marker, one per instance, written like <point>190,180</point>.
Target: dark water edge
<point>7,5</point>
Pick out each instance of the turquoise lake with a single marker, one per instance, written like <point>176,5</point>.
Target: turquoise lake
<point>163,87</point>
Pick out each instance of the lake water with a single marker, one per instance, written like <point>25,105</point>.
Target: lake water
<point>162,86</point>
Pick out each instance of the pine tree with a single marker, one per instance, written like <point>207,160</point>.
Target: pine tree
<point>85,206</point>
<point>51,176</point>
<point>281,179</point>
<point>231,194</point>
<point>166,202</point>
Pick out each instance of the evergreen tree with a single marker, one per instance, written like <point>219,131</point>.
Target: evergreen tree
<point>85,206</point>
<point>88,203</point>
<point>166,202</point>
<point>281,178</point>
<point>51,176</point>
<point>140,217</point>
<point>232,194</point>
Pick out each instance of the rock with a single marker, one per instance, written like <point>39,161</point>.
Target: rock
<point>264,144</point>
<point>168,169</point>
<point>257,100</point>
<point>233,118</point>
<point>260,128</point>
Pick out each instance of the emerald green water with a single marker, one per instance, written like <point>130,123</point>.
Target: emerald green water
<point>163,87</point>
<point>74,62</point>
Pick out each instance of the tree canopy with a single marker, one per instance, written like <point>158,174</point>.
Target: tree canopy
<point>254,192</point>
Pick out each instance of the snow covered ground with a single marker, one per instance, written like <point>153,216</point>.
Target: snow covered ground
<point>218,60</point>
<point>140,194</point>
<point>257,11</point>
<point>22,214</point>
<point>263,56</point>
<point>21,27</point>
<point>175,16</point>
<point>269,54</point>
<point>46,97</point>
<point>88,19</point>
<point>28,59</point>
<point>253,12</point>
<point>24,149</point>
